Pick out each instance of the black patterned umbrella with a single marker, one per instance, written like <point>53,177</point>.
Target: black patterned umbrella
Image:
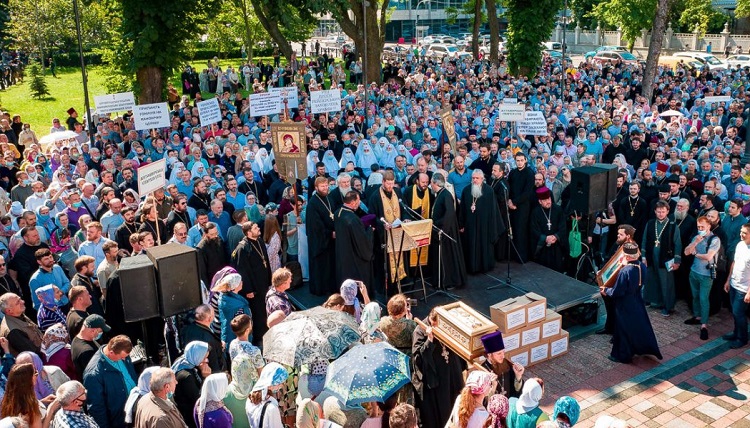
<point>308,336</point>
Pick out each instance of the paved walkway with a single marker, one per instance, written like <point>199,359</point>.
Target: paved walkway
<point>698,384</point>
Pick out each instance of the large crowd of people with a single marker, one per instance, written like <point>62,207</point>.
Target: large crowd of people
<point>70,212</point>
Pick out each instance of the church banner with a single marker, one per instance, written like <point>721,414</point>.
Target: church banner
<point>290,149</point>
<point>450,127</point>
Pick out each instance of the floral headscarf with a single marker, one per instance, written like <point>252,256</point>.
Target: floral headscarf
<point>307,414</point>
<point>244,376</point>
<point>480,381</point>
<point>370,319</point>
<point>273,374</point>
<point>498,406</point>
<point>348,291</point>
<point>55,339</point>
<point>46,295</point>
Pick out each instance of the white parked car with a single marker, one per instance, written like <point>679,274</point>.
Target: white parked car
<point>705,58</point>
<point>742,60</point>
<point>441,50</point>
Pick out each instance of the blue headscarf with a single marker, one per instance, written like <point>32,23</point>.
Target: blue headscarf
<point>569,407</point>
<point>195,353</point>
<point>46,295</point>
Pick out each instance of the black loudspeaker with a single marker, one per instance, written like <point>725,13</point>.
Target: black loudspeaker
<point>612,173</point>
<point>178,280</point>
<point>140,299</point>
<point>592,188</point>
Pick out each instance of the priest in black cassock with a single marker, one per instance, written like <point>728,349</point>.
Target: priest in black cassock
<point>509,374</point>
<point>385,204</point>
<point>452,267</point>
<point>633,210</point>
<point>438,374</point>
<point>353,243</point>
<point>499,185</point>
<point>549,233</point>
<point>480,223</point>
<point>250,258</point>
<point>343,186</point>
<point>521,186</point>
<point>320,242</point>
<point>633,333</point>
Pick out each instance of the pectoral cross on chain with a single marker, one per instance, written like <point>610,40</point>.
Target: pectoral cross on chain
<point>549,225</point>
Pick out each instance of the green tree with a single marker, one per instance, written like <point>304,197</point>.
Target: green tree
<point>529,24</point>
<point>580,11</point>
<point>702,14</point>
<point>286,22</point>
<point>224,32</point>
<point>156,35</point>
<point>251,28</point>
<point>743,9</point>
<point>38,85</point>
<point>631,16</point>
<point>41,26</point>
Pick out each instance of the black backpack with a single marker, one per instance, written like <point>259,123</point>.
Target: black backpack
<point>721,256</point>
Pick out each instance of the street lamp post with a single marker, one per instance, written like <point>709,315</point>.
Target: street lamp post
<point>365,3</point>
<point>416,31</point>
<point>83,73</point>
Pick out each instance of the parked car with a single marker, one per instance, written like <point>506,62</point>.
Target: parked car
<point>711,61</point>
<point>613,56</point>
<point>673,62</point>
<point>553,46</point>
<point>738,60</point>
<point>441,50</point>
<point>394,52</point>
<point>557,55</point>
<point>588,55</point>
<point>333,41</point>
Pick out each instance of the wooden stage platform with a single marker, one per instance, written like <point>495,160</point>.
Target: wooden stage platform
<point>562,292</point>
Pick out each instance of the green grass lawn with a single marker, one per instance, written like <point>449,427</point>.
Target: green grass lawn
<point>66,91</point>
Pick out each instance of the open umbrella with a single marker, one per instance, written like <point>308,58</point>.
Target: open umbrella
<point>669,113</point>
<point>366,373</point>
<point>67,137</point>
<point>308,336</point>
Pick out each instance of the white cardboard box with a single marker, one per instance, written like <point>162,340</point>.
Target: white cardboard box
<point>531,335</point>
<point>552,324</point>
<point>559,345</point>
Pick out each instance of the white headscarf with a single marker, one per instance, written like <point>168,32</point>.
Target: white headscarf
<point>214,389</point>
<point>272,374</point>
<point>142,389</point>
<point>262,162</point>
<point>530,396</point>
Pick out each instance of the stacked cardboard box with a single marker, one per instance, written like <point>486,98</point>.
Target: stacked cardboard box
<point>531,332</point>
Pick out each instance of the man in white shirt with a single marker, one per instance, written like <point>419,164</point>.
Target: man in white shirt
<point>737,287</point>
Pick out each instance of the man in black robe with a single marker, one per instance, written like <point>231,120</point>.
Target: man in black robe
<point>384,203</point>
<point>23,264</point>
<point>343,186</point>
<point>480,223</point>
<point>548,231</point>
<point>353,243</point>
<point>320,241</point>
<point>521,184</point>
<point>633,333</point>
<point>484,161</point>
<point>509,374</point>
<point>250,258</point>
<point>450,263</point>
<point>499,185</point>
<point>437,377</point>
<point>633,210</point>
<point>212,253</point>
